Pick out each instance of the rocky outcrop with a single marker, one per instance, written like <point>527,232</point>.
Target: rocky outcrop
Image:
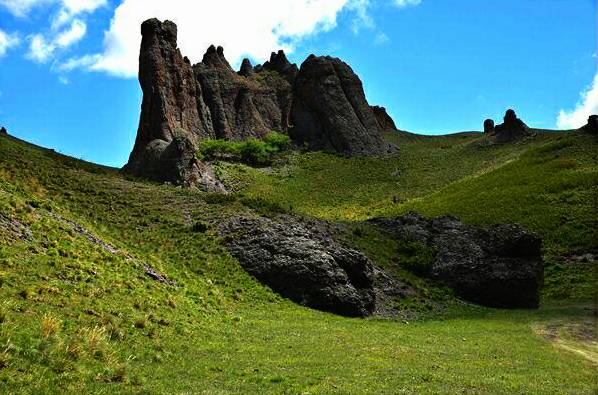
<point>330,110</point>
<point>303,263</point>
<point>592,125</point>
<point>498,266</point>
<point>242,105</point>
<point>512,129</point>
<point>3,131</point>
<point>384,121</point>
<point>322,105</point>
<point>489,126</point>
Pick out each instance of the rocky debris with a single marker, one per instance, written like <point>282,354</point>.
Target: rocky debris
<point>3,131</point>
<point>489,126</point>
<point>384,121</point>
<point>498,266</point>
<point>592,125</point>
<point>512,129</point>
<point>13,230</point>
<point>302,262</point>
<point>330,110</point>
<point>156,275</point>
<point>322,106</point>
<point>246,69</point>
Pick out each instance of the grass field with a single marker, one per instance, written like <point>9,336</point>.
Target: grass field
<point>78,314</point>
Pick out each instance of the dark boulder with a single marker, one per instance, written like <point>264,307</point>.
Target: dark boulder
<point>489,126</point>
<point>176,162</point>
<point>592,125</point>
<point>3,130</point>
<point>497,266</point>
<point>330,110</point>
<point>384,121</point>
<point>512,129</point>
<point>303,263</point>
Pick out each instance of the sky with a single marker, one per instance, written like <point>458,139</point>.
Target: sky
<point>68,68</point>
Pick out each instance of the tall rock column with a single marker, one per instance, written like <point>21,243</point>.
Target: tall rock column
<point>173,114</point>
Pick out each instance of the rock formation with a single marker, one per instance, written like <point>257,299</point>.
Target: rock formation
<point>498,266</point>
<point>383,120</point>
<point>3,130</point>
<point>592,125</point>
<point>511,129</point>
<point>489,126</point>
<point>321,106</point>
<point>330,110</point>
<point>302,264</point>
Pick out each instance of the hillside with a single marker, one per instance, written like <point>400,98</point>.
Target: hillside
<point>110,283</point>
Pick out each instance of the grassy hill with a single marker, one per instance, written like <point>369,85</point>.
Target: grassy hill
<point>79,314</point>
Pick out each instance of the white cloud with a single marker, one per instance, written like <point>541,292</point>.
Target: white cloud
<point>243,28</point>
<point>40,50</point>
<point>405,3</point>
<point>587,105</point>
<point>69,8</point>
<point>381,38</point>
<point>82,62</point>
<point>74,34</point>
<point>7,41</point>
<point>21,8</point>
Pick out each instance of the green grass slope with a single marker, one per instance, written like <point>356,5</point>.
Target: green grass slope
<point>79,315</point>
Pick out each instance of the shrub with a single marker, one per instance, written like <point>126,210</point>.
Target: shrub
<point>252,151</point>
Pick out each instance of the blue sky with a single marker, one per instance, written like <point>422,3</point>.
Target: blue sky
<point>68,82</point>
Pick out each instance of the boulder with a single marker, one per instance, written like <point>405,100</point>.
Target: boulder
<point>489,126</point>
<point>592,125</point>
<point>383,120</point>
<point>3,130</point>
<point>176,162</point>
<point>497,266</point>
<point>512,129</point>
<point>330,110</point>
<point>302,262</point>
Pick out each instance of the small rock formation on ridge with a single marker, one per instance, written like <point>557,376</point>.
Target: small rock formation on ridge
<point>321,105</point>
<point>3,130</point>
<point>489,126</point>
<point>592,125</point>
<point>512,129</point>
<point>498,266</point>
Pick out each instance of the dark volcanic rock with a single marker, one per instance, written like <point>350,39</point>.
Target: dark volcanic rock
<point>592,125</point>
<point>241,105</point>
<point>303,264</point>
<point>278,62</point>
<point>330,110</point>
<point>176,162</point>
<point>511,129</point>
<point>489,126</point>
<point>383,120</point>
<point>498,266</point>
<point>3,130</point>
<point>211,100</point>
<point>172,109</point>
<point>246,68</point>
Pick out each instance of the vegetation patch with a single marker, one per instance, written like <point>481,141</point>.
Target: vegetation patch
<point>252,151</point>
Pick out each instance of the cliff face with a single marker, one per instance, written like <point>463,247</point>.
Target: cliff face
<point>321,105</point>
